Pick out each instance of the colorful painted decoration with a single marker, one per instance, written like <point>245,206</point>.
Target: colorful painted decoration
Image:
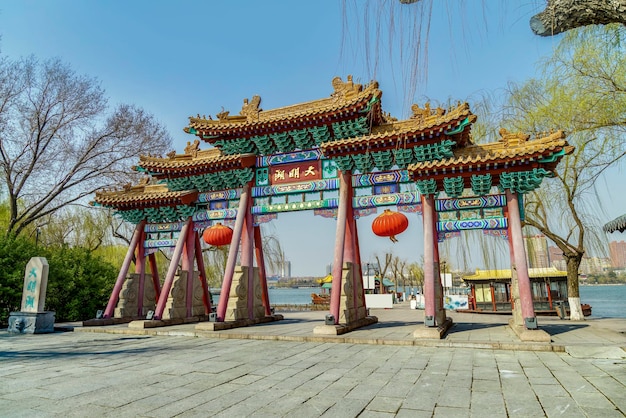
<point>389,224</point>
<point>218,235</point>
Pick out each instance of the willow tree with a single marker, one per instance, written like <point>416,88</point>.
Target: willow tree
<point>60,141</point>
<point>582,91</point>
<point>416,275</point>
<point>562,15</point>
<point>399,30</point>
<point>217,257</point>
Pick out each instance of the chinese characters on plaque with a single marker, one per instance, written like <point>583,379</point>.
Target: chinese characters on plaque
<point>295,172</point>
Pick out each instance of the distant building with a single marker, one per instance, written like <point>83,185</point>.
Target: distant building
<point>285,270</point>
<point>617,251</point>
<point>555,254</point>
<point>282,270</point>
<point>593,265</point>
<point>537,250</point>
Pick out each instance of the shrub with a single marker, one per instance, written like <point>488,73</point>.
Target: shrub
<point>14,255</point>
<point>79,283</point>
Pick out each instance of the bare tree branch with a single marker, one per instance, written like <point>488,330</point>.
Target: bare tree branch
<point>59,141</point>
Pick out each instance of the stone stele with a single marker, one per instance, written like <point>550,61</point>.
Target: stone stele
<point>32,319</point>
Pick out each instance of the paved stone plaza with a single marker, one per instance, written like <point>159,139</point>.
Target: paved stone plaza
<point>283,369</point>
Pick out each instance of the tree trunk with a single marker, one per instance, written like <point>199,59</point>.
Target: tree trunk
<point>562,15</point>
<point>573,294</point>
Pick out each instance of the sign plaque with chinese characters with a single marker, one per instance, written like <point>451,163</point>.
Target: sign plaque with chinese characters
<point>295,172</point>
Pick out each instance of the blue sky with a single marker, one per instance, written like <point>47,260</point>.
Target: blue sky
<point>180,58</point>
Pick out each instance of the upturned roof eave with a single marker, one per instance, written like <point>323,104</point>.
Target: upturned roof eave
<point>195,166</point>
<point>498,153</point>
<point>617,224</point>
<point>410,128</point>
<point>339,100</point>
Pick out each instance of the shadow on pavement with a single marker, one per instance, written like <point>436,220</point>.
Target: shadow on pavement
<point>554,329</point>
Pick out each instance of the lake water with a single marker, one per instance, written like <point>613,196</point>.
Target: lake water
<point>608,301</point>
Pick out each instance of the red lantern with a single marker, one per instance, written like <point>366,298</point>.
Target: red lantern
<point>218,235</point>
<point>389,224</point>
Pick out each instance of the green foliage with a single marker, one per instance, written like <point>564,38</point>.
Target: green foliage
<point>78,284</point>
<point>14,255</point>
<point>583,92</point>
<point>112,254</point>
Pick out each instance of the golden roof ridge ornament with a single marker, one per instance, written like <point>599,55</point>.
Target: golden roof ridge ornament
<point>192,149</point>
<point>344,94</point>
<point>512,138</point>
<point>422,114</point>
<point>251,109</point>
<point>343,90</point>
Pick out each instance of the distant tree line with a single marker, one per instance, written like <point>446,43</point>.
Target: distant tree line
<point>609,277</point>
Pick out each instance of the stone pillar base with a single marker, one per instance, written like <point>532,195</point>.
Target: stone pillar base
<point>530,335</point>
<point>31,322</point>
<point>344,328</point>
<point>434,333</point>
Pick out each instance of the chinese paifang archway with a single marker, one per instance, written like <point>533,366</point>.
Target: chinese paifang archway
<point>264,162</point>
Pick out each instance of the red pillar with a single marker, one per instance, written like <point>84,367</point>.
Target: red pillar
<point>430,269</point>
<point>520,265</point>
<point>260,261</point>
<point>359,292</point>
<point>108,312</point>
<point>349,250</point>
<point>232,253</point>
<point>345,201</point>
<point>247,254</point>
<point>140,269</point>
<point>206,300</point>
<point>474,305</point>
<point>171,272</point>
<point>188,266</point>
<point>547,283</point>
<point>155,275</point>
<point>440,314</point>
<point>492,290</point>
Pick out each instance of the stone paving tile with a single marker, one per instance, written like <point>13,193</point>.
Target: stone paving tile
<point>314,407</point>
<point>554,406</point>
<point>149,375</point>
<point>523,407</point>
<point>375,414</point>
<point>346,408</point>
<point>454,397</point>
<point>384,404</point>
<point>487,404</point>
<point>593,400</point>
<point>447,412</point>
<point>479,385</point>
<point>602,412</point>
<point>413,413</point>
